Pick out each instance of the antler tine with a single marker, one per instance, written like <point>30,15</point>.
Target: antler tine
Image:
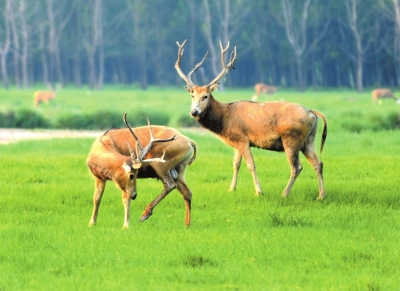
<point>225,68</point>
<point>178,64</point>
<point>133,155</point>
<point>160,160</point>
<point>198,65</point>
<point>223,51</point>
<point>143,152</point>
<point>131,130</point>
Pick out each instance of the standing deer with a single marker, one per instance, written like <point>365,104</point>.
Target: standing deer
<point>275,126</point>
<point>381,93</point>
<point>263,88</point>
<point>43,96</point>
<point>165,157</point>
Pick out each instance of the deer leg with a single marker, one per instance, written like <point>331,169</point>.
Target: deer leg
<point>317,164</point>
<point>237,159</point>
<point>98,193</point>
<point>252,168</point>
<point>295,169</point>
<point>185,191</point>
<point>126,201</point>
<point>169,185</point>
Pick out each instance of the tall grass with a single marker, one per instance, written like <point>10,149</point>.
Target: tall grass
<point>349,241</point>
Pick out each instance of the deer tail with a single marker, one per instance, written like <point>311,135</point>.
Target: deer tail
<point>325,131</point>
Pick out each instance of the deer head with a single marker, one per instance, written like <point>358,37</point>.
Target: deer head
<point>137,158</point>
<point>201,94</point>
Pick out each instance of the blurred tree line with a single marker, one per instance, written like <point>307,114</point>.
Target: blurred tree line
<point>287,43</point>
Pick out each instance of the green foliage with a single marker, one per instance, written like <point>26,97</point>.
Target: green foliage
<point>7,119</point>
<point>97,120</point>
<point>186,121</point>
<point>23,118</point>
<point>375,121</point>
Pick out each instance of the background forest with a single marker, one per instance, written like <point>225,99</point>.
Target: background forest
<point>288,43</point>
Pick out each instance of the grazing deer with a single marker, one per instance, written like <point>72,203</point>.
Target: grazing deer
<point>275,126</point>
<point>263,88</point>
<point>43,96</point>
<point>165,157</point>
<point>381,93</point>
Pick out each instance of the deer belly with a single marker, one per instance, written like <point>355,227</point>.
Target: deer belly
<point>147,172</point>
<point>272,145</point>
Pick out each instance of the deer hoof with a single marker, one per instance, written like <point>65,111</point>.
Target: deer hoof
<point>145,216</point>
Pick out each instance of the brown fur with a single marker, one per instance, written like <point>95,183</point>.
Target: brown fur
<point>264,88</point>
<point>43,96</point>
<point>382,93</point>
<point>109,153</point>
<point>276,126</point>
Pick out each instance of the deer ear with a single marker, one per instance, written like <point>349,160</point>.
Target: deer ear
<point>213,87</point>
<point>189,89</point>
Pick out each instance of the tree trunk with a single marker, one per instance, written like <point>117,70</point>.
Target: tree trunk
<point>5,48</point>
<point>43,51</point>
<point>15,48</point>
<point>25,45</point>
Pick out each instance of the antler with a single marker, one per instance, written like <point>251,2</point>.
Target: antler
<point>227,67</point>
<point>142,152</point>
<point>188,78</point>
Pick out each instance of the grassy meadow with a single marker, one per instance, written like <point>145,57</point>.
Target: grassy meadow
<point>349,241</point>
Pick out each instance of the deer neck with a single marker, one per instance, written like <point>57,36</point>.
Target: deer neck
<point>214,116</point>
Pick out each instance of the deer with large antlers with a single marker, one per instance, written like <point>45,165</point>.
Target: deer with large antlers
<point>275,126</point>
<point>167,155</point>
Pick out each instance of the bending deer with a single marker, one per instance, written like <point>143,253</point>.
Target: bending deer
<point>263,88</point>
<point>43,96</point>
<point>275,126</point>
<point>165,157</point>
<point>381,93</point>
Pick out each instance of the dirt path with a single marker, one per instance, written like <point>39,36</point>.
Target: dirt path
<point>9,135</point>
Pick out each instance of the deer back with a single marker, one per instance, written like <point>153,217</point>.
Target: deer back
<point>264,124</point>
<point>176,150</point>
<point>381,93</point>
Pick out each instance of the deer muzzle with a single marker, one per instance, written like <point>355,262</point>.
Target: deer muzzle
<point>195,112</point>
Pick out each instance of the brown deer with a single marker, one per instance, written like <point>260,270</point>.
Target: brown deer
<point>275,126</point>
<point>263,88</point>
<point>381,93</point>
<point>165,157</point>
<point>43,96</point>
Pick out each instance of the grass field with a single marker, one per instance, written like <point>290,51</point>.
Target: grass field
<point>349,241</point>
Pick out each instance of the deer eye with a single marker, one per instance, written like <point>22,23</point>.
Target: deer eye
<point>204,98</point>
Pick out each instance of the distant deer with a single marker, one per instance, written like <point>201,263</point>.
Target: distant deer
<point>381,93</point>
<point>275,126</point>
<point>165,157</point>
<point>43,96</point>
<point>263,88</point>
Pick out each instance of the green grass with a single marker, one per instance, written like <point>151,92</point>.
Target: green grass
<point>349,241</point>
<point>346,110</point>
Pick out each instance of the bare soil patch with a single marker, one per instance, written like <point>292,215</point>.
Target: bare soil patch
<point>9,135</point>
